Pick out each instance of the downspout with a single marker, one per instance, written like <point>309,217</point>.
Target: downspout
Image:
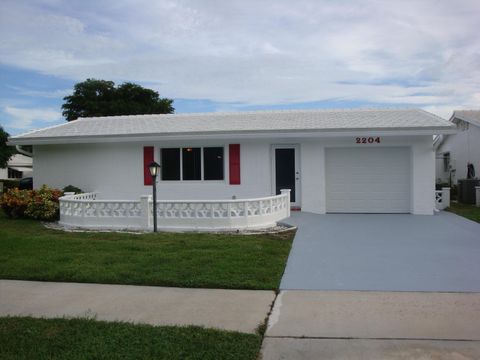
<point>23,152</point>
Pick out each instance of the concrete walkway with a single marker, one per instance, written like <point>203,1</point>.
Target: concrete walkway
<point>373,326</point>
<point>235,310</point>
<point>384,252</point>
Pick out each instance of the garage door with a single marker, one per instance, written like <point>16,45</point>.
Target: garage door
<point>369,180</point>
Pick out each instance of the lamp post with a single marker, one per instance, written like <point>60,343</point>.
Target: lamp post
<point>154,169</point>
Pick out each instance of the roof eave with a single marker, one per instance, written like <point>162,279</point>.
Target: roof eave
<point>227,135</point>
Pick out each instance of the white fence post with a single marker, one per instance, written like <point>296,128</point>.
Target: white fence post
<point>477,193</point>
<point>287,193</point>
<point>445,197</point>
<point>145,211</point>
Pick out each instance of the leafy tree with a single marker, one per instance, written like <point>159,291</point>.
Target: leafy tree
<point>102,98</point>
<point>6,151</point>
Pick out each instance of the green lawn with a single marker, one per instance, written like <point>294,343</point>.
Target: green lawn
<point>31,252</point>
<point>28,338</point>
<point>468,211</point>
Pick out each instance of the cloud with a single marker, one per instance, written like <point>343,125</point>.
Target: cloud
<point>49,94</point>
<point>423,53</point>
<point>24,118</point>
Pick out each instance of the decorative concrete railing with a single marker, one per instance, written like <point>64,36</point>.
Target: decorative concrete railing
<point>442,198</point>
<point>84,210</point>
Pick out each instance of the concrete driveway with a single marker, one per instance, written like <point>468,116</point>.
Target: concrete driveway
<point>384,252</point>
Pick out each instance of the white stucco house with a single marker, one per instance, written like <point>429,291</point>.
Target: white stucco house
<point>19,166</point>
<point>455,151</point>
<point>354,161</point>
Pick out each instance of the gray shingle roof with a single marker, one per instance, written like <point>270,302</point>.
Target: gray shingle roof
<point>241,122</point>
<point>471,116</point>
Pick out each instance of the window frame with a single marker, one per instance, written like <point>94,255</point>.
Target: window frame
<point>202,169</point>
<point>446,161</point>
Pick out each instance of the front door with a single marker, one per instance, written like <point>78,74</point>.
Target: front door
<point>287,171</point>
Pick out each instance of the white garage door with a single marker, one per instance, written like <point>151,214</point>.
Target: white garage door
<point>368,180</point>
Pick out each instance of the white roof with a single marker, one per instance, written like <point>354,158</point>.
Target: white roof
<point>20,160</point>
<point>235,123</point>
<point>471,116</point>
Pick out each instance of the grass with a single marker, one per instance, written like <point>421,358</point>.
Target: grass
<point>75,339</point>
<point>471,212</point>
<point>29,251</point>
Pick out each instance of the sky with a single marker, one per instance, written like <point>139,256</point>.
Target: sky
<point>214,55</point>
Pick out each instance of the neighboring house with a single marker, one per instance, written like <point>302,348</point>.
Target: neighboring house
<point>455,151</point>
<point>360,161</point>
<point>19,166</point>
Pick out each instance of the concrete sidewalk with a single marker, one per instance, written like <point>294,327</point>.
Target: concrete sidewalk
<point>373,325</point>
<point>235,310</point>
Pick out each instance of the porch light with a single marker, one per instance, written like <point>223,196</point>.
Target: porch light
<point>154,169</point>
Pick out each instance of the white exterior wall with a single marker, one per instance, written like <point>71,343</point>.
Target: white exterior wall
<point>3,173</point>
<point>464,148</point>
<point>115,170</point>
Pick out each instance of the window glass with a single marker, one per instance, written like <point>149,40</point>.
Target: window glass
<point>170,169</point>
<point>191,158</point>
<point>446,161</point>
<point>213,163</point>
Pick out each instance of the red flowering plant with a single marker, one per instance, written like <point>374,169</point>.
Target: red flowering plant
<point>14,202</point>
<point>44,204</point>
<point>41,204</point>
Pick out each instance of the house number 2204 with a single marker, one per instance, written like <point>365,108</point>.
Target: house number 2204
<point>367,140</point>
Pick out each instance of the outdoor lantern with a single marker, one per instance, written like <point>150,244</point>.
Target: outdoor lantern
<point>154,169</point>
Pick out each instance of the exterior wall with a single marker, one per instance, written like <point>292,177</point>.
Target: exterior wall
<point>422,170</point>
<point>115,170</point>
<point>464,148</point>
<point>3,173</point>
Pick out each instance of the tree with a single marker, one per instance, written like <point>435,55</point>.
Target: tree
<point>102,98</point>
<point>6,151</point>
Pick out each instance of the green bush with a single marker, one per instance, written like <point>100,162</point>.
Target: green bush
<point>71,188</point>
<point>10,184</point>
<point>44,204</point>
<point>41,204</point>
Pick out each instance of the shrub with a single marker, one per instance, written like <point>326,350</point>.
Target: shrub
<point>71,188</point>
<point>10,184</point>
<point>14,202</point>
<point>44,204</point>
<point>41,204</point>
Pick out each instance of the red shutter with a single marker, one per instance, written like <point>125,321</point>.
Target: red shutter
<point>234,163</point>
<point>147,159</point>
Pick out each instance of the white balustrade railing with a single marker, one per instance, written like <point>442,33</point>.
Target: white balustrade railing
<point>84,210</point>
<point>442,198</point>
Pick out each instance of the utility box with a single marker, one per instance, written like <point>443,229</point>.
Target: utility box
<point>466,190</point>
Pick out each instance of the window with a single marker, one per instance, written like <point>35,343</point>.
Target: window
<point>170,159</point>
<point>192,163</point>
<point>446,162</point>
<point>14,174</point>
<point>213,163</point>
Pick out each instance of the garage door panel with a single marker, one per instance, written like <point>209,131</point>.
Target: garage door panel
<point>370,180</point>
